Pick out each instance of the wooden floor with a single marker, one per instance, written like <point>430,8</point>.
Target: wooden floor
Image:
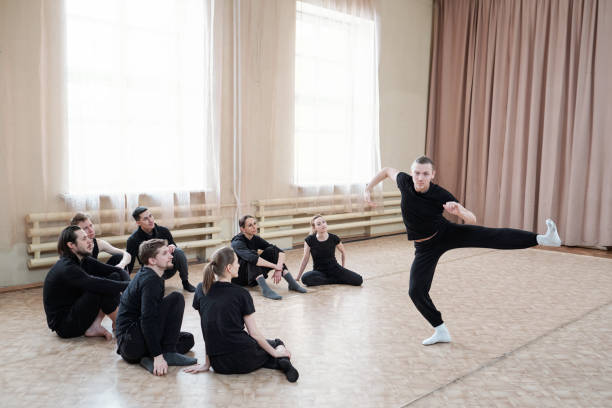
<point>531,328</point>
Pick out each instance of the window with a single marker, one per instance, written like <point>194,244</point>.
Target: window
<point>136,87</point>
<point>336,102</point>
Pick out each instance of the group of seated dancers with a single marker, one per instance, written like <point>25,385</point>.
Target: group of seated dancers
<point>79,291</point>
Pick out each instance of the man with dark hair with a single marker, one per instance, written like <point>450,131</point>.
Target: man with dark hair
<point>148,324</point>
<point>148,229</point>
<point>422,204</point>
<point>119,257</point>
<point>254,268</point>
<point>78,290</point>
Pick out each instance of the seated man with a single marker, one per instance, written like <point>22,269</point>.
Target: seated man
<point>254,268</point>
<point>119,258</point>
<point>149,324</point>
<point>78,290</point>
<point>147,229</point>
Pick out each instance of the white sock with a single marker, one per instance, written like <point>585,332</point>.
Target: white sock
<point>551,238</point>
<point>441,335</point>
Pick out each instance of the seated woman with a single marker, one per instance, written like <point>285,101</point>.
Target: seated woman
<point>326,269</point>
<point>225,308</point>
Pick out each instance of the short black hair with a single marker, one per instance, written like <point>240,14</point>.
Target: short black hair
<point>137,211</point>
<point>67,235</point>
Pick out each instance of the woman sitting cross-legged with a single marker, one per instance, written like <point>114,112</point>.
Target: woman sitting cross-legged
<point>225,308</point>
<point>322,245</point>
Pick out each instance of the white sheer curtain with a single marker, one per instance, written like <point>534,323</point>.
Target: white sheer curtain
<point>336,96</point>
<point>142,95</point>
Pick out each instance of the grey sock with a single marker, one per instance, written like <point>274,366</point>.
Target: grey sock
<point>177,359</point>
<point>293,285</point>
<point>266,291</point>
<point>147,363</point>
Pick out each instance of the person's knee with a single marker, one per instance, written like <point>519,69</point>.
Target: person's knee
<point>175,298</point>
<point>270,254</point>
<point>415,293</point>
<point>307,280</point>
<point>186,341</point>
<point>179,255</point>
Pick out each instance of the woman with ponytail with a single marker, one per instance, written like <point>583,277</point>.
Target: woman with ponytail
<point>326,269</point>
<point>225,308</point>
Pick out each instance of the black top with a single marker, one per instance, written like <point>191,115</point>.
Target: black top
<point>96,250</point>
<point>422,212</point>
<point>246,249</point>
<point>222,312</point>
<point>323,252</point>
<point>139,236</point>
<point>69,279</point>
<point>140,303</point>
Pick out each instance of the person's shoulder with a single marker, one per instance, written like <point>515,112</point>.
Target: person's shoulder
<point>238,237</point>
<point>134,236</point>
<point>334,237</point>
<point>403,179</point>
<point>162,230</point>
<point>309,239</point>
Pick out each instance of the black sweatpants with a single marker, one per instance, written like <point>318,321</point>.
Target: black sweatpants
<point>114,260</point>
<point>84,311</point>
<point>246,361</point>
<point>132,345</point>
<point>427,253</point>
<point>334,275</point>
<point>248,273</point>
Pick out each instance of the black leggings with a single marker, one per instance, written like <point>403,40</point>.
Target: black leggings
<point>427,253</point>
<point>335,275</point>
<point>83,313</point>
<point>132,345</point>
<point>246,361</point>
<point>248,273</point>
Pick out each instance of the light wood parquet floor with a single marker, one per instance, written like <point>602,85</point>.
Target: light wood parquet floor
<point>531,328</point>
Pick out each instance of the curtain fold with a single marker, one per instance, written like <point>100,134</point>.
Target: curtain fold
<point>518,113</point>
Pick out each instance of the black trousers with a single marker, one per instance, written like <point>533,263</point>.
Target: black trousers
<point>334,275</point>
<point>114,260</point>
<point>132,346</point>
<point>246,361</point>
<point>427,253</point>
<point>180,264</point>
<point>85,310</point>
<point>248,273</point>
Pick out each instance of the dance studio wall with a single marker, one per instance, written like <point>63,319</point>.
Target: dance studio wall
<point>32,138</point>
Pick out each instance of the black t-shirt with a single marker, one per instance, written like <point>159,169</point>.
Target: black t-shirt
<point>95,251</point>
<point>140,303</point>
<point>323,252</point>
<point>422,212</point>
<point>139,236</point>
<point>222,312</point>
<point>246,249</point>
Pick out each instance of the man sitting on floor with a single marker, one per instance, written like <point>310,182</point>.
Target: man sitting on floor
<point>254,268</point>
<point>119,257</point>
<point>147,229</point>
<point>78,290</point>
<point>149,324</point>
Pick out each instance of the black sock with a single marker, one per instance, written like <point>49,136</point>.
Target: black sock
<point>286,367</point>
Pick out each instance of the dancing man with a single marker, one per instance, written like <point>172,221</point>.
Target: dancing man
<point>422,204</point>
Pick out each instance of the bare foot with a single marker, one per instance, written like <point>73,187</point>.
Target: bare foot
<point>98,331</point>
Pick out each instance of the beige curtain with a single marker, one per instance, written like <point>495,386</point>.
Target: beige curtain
<point>32,113</point>
<point>519,113</point>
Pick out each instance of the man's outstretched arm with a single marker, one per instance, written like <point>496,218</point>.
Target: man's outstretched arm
<point>385,172</point>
